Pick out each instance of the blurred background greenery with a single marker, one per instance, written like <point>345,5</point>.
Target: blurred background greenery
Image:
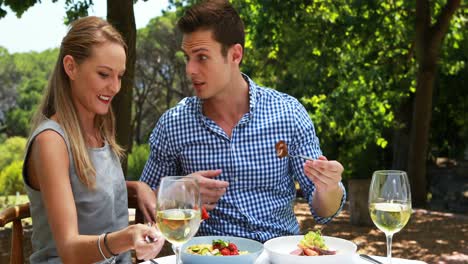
<point>355,65</point>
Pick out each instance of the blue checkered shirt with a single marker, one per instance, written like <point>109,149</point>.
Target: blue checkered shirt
<point>258,203</point>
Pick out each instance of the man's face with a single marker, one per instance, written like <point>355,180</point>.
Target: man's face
<point>209,71</point>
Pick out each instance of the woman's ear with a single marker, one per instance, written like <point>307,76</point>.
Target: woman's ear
<point>70,66</point>
<point>237,53</point>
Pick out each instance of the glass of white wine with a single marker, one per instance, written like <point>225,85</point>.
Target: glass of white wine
<point>178,210</point>
<point>390,203</point>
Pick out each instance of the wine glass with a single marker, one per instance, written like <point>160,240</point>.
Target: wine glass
<point>178,210</point>
<point>390,203</point>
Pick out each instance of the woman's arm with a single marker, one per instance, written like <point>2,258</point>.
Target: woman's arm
<point>48,165</point>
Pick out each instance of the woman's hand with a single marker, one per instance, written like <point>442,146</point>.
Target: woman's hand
<point>147,241</point>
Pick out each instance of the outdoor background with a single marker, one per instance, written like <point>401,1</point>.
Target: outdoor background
<point>385,83</point>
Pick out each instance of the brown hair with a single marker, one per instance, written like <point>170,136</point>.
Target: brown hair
<point>82,36</point>
<point>218,16</point>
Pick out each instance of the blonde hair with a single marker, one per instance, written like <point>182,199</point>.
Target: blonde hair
<point>83,35</point>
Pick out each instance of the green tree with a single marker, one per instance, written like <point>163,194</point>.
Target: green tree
<point>160,80</point>
<point>137,160</point>
<point>11,150</point>
<point>9,78</point>
<point>11,180</point>
<point>430,33</point>
<point>350,71</point>
<point>11,162</point>
<point>449,126</point>
<point>33,69</point>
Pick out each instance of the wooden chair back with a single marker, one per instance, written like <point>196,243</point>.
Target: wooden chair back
<point>15,213</point>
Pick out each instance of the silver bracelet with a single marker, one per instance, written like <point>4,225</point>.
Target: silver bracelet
<point>110,260</point>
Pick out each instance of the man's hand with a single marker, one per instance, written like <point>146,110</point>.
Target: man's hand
<point>326,176</point>
<point>147,202</point>
<point>324,173</point>
<point>210,189</point>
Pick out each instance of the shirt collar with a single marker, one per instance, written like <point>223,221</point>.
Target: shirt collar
<point>253,88</point>
<point>253,97</point>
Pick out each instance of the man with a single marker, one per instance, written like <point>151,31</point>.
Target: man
<point>225,136</point>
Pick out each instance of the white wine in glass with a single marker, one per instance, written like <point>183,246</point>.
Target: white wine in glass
<point>178,210</point>
<point>390,203</point>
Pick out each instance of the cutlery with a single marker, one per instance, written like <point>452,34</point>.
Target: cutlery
<point>282,151</point>
<point>368,258</point>
<point>300,156</point>
<point>149,239</point>
<point>153,261</point>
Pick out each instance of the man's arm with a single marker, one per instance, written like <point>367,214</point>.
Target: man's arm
<point>328,194</point>
<point>146,198</point>
<point>320,179</point>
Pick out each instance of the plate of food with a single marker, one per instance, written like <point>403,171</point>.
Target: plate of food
<point>309,248</point>
<point>221,249</point>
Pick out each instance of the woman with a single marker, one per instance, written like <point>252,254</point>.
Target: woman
<point>72,172</point>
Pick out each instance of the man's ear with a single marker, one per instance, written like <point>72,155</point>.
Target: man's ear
<point>237,53</point>
<point>70,66</point>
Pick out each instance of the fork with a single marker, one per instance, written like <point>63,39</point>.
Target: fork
<point>368,258</point>
<point>282,151</point>
<point>147,238</point>
<point>300,156</point>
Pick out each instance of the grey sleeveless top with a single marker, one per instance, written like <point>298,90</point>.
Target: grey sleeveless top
<point>104,209</point>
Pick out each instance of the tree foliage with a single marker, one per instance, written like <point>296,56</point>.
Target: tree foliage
<point>11,150</point>
<point>137,160</point>
<point>350,63</point>
<point>160,80</point>
<point>74,9</point>
<point>9,78</point>
<point>11,180</point>
<point>33,69</point>
<point>11,164</point>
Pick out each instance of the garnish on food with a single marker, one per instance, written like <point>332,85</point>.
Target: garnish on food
<point>312,244</point>
<point>281,149</point>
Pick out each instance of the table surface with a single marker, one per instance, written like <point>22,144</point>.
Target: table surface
<point>263,259</point>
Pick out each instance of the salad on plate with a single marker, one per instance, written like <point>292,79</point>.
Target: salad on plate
<point>312,244</point>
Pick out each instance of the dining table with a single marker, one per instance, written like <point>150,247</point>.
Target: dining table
<point>263,259</point>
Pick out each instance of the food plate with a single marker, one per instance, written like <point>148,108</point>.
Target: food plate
<point>279,250</point>
<point>253,247</point>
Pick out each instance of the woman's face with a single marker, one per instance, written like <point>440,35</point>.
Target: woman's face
<point>96,80</point>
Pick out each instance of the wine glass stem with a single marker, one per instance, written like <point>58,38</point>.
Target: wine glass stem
<point>389,248</point>
<point>176,249</point>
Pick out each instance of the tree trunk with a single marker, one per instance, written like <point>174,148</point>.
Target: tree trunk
<point>358,202</point>
<point>401,136</point>
<point>419,136</point>
<point>428,41</point>
<point>120,14</point>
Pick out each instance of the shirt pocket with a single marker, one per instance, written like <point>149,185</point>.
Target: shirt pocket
<point>261,168</point>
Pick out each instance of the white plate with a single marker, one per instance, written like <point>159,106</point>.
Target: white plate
<point>279,250</point>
